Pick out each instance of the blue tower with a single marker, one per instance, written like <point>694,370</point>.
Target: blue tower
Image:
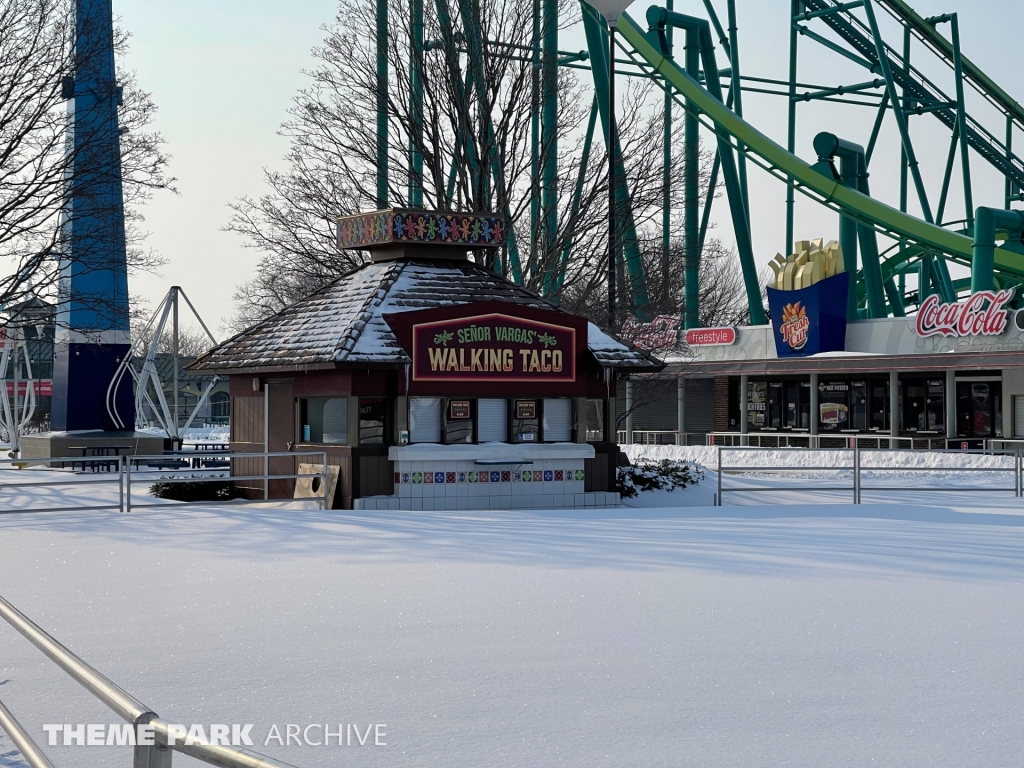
<point>92,313</point>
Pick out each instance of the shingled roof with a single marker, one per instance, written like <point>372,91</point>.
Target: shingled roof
<point>343,322</point>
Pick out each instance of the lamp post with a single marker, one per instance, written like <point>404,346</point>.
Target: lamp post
<point>611,10</point>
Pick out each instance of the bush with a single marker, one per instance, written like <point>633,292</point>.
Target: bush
<point>647,475</point>
<point>206,490</point>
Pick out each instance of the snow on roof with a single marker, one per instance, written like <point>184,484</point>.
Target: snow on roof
<point>343,322</point>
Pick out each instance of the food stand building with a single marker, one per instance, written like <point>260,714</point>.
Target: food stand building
<point>951,376</point>
<point>431,382</point>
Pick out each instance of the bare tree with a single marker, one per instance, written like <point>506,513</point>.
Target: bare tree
<point>332,164</point>
<point>37,64</point>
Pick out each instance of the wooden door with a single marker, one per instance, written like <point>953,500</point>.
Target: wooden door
<point>280,436</point>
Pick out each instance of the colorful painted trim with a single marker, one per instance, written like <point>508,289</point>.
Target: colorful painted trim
<point>489,476</point>
<point>479,230</point>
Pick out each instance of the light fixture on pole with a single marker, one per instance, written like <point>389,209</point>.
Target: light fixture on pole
<point>611,10</point>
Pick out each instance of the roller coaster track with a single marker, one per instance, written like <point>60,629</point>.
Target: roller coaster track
<point>920,89</point>
<point>766,153</point>
<point>942,48</point>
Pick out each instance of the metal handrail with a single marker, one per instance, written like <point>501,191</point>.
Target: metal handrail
<point>125,472</point>
<point>126,706</point>
<point>858,470</point>
<point>28,748</point>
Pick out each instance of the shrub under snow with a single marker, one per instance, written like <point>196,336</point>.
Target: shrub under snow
<point>647,475</point>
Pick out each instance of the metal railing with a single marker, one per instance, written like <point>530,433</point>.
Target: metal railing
<point>661,437</point>
<point>852,465</point>
<point>785,439</point>
<point>126,706</point>
<point>147,470</point>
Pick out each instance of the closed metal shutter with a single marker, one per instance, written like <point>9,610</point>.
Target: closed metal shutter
<point>558,420</point>
<point>700,405</point>
<point>492,420</point>
<point>1018,416</point>
<point>336,420</point>
<point>425,419</point>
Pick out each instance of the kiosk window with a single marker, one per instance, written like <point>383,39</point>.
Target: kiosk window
<point>492,420</point>
<point>424,419</point>
<point>595,421</point>
<point>371,420</point>
<point>458,422</point>
<point>558,420</point>
<point>324,419</point>
<point>525,424</point>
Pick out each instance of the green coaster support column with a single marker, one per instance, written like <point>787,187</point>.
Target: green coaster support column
<point>382,104</point>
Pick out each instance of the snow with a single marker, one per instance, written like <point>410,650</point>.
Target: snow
<point>677,635</point>
<point>220,433</point>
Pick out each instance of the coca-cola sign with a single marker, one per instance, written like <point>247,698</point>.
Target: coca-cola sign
<point>711,336</point>
<point>983,314</point>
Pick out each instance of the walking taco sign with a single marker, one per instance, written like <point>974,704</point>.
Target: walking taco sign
<point>490,347</point>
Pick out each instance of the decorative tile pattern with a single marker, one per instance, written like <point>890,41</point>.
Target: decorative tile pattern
<point>439,478</point>
<point>428,477</point>
<point>559,475</point>
<point>548,475</point>
<point>538,476</point>
<point>506,476</point>
<point>462,477</point>
<point>473,476</point>
<point>420,227</point>
<point>484,476</point>
<point>417,477</point>
<point>579,474</point>
<point>449,477</point>
<point>495,476</point>
<point>405,478</point>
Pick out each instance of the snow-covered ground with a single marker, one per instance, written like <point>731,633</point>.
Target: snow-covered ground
<point>775,634</point>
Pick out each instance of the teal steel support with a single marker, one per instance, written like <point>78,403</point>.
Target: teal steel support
<point>534,137</point>
<point>961,114</point>
<point>691,189</point>
<point>596,30</point>
<point>854,174</point>
<point>987,221</point>
<point>924,278</point>
<point>549,133</point>
<point>415,195</point>
<point>1008,184</point>
<point>879,117</point>
<point>666,183</point>
<point>658,19</point>
<point>947,174</point>
<point>574,208</point>
<point>901,120</point>
<point>796,6</point>
<point>736,88</point>
<point>382,104</point>
<point>471,26</point>
<point>705,217</point>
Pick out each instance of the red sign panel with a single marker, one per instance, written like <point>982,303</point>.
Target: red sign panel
<point>660,333</point>
<point>493,347</point>
<point>983,314</point>
<point>43,388</point>
<point>711,336</point>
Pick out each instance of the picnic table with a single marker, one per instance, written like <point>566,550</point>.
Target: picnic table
<point>95,451</point>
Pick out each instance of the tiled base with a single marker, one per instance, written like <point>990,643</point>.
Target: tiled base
<point>590,500</point>
<point>464,484</point>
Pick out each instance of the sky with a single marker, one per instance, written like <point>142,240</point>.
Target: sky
<point>223,74</point>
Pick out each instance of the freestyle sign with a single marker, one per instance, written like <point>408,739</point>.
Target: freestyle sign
<point>983,314</point>
<point>711,336</point>
<point>493,347</point>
